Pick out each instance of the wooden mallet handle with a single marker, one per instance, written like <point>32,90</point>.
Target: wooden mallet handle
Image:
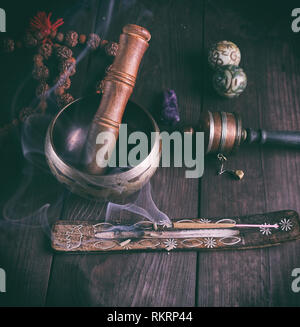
<point>118,86</point>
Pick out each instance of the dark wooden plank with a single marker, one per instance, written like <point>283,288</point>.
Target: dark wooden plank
<point>25,252</point>
<point>281,166</point>
<point>137,279</point>
<point>235,278</point>
<point>261,277</point>
<point>144,279</point>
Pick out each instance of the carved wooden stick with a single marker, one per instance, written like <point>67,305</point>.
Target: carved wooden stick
<point>118,86</point>
<point>217,232</point>
<point>197,225</point>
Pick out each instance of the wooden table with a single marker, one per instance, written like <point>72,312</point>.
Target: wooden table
<point>177,58</point>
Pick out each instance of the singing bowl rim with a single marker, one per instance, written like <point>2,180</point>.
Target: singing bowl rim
<point>77,179</point>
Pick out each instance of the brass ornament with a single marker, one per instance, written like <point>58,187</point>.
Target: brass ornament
<point>237,174</point>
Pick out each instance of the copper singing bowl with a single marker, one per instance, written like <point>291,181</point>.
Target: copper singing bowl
<point>64,145</point>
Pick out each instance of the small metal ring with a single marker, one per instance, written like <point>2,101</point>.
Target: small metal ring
<point>211,131</point>
<point>223,131</point>
<point>238,137</point>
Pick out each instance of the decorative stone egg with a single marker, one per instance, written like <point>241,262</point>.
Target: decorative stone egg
<point>229,81</point>
<point>224,53</point>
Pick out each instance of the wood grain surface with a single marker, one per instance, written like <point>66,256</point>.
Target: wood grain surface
<point>177,59</point>
<point>261,277</point>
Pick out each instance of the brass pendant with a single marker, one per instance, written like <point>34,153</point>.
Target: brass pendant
<point>237,174</point>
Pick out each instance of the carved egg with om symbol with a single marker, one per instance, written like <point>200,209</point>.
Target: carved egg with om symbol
<point>224,53</point>
<point>229,81</point>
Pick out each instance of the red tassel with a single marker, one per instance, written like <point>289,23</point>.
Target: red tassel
<point>42,23</point>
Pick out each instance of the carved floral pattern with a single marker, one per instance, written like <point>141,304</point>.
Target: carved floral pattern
<point>210,242</point>
<point>265,230</point>
<point>204,221</point>
<point>170,244</point>
<point>285,224</point>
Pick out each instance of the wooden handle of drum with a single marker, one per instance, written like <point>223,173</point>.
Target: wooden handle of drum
<point>281,138</point>
<point>118,86</point>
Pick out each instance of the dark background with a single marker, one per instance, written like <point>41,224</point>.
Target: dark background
<point>177,58</point>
